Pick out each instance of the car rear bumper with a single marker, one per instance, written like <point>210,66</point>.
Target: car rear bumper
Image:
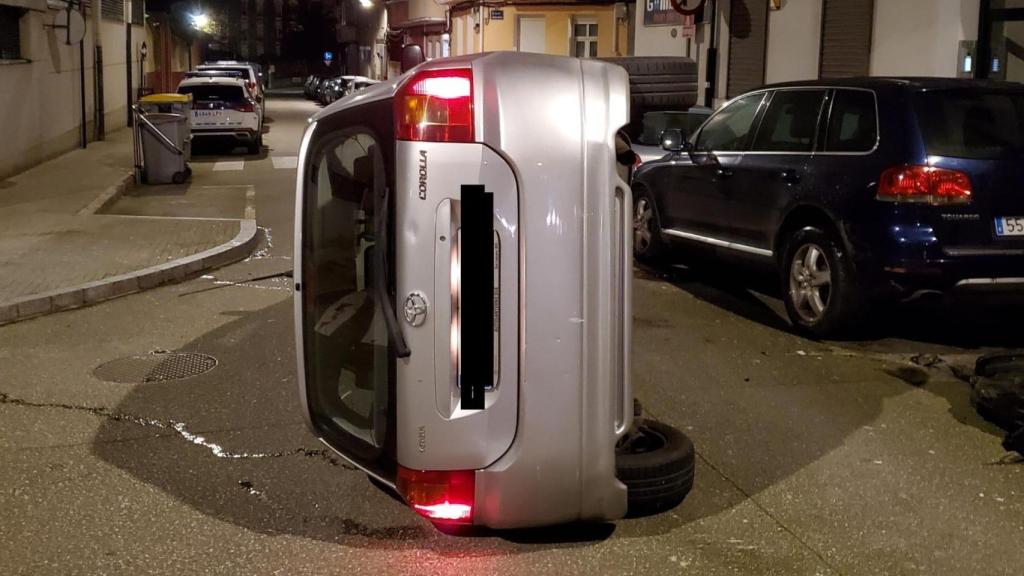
<point>240,134</point>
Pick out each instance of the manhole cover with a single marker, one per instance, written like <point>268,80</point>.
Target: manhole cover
<point>156,367</point>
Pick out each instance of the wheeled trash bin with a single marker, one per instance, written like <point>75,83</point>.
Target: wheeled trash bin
<point>463,271</point>
<point>163,128</point>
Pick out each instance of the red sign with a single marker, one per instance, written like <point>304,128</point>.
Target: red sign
<point>688,7</point>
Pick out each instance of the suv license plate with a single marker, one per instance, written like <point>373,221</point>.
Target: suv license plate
<point>1010,226</point>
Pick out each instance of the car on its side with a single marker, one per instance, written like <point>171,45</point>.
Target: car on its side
<point>856,190</point>
<point>224,109</point>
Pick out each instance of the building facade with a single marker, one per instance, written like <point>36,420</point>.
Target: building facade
<point>584,29</point>
<point>41,88</point>
<point>754,42</point>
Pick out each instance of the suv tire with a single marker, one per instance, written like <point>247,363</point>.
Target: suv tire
<point>819,284</point>
<point>648,245</point>
<point>656,463</point>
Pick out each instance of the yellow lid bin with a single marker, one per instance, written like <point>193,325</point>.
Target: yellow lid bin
<point>169,103</point>
<point>167,98</point>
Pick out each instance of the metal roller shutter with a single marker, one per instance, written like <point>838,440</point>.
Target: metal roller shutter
<point>112,9</point>
<point>748,34</point>
<point>10,33</point>
<point>846,27</point>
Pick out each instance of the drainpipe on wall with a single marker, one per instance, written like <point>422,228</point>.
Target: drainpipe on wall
<point>711,66</point>
<point>98,70</point>
<point>128,67</point>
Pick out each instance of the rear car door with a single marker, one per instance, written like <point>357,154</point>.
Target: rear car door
<point>692,189</point>
<point>772,173</point>
<point>979,132</point>
<point>347,290</point>
<point>217,106</point>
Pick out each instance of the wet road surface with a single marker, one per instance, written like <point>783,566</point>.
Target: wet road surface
<point>813,458</point>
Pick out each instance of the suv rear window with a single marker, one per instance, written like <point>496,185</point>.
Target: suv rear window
<point>213,92</point>
<point>971,123</point>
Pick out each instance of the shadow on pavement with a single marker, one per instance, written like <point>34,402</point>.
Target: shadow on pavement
<point>272,477</point>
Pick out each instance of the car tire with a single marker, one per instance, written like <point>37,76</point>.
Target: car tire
<point>819,284</point>
<point>656,463</point>
<point>648,245</point>
<point>254,147</point>
<point>659,83</point>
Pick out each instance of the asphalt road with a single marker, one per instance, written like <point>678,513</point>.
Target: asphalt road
<point>814,458</point>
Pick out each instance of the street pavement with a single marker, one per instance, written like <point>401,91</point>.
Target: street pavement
<point>814,458</point>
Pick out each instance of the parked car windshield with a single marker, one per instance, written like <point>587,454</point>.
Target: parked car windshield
<point>213,92</point>
<point>971,123</point>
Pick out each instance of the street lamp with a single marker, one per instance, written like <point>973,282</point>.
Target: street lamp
<point>366,3</point>
<point>200,21</point>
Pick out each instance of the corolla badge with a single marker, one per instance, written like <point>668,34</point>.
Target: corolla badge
<point>416,308</point>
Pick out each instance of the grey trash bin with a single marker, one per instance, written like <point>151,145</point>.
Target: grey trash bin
<point>165,162</point>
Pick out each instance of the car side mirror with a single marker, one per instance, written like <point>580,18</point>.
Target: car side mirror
<point>673,140</point>
<point>412,56</point>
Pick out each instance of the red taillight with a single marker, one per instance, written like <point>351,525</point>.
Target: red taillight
<point>924,184</point>
<point>246,107</point>
<point>440,495</point>
<point>435,106</point>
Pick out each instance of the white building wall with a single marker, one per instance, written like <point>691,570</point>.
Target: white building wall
<point>921,37</point>
<point>40,100</point>
<point>794,41</point>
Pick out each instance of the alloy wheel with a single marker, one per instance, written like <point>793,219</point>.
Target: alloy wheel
<point>810,282</point>
<point>642,234</point>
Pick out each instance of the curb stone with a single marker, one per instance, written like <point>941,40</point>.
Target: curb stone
<point>109,196</point>
<point>174,271</point>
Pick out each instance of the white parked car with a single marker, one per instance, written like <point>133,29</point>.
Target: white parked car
<point>252,77</point>
<point>225,109</point>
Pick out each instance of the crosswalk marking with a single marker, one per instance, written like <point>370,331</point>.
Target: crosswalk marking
<point>229,166</point>
<point>285,162</point>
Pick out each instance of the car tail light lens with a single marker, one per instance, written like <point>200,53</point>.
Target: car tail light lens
<point>925,184</point>
<point>436,106</point>
<point>244,107</point>
<point>440,495</point>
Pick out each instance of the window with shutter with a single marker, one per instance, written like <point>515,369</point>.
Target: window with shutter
<point>748,36</point>
<point>112,9</point>
<point>10,34</point>
<point>846,38</point>
<point>139,12</point>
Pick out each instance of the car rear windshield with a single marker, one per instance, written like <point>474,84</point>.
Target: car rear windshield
<point>213,92</point>
<point>971,123</point>
<point>244,71</point>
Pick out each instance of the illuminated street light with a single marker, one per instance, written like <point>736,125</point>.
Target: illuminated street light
<point>366,3</point>
<point>200,21</point>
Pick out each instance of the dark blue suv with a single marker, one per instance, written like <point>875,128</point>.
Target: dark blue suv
<point>856,190</point>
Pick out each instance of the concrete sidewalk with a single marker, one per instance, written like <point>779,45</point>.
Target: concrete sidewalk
<point>56,254</point>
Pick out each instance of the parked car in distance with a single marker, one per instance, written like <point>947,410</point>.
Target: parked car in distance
<point>309,87</point>
<point>253,81</point>
<point>857,190</point>
<point>223,108</point>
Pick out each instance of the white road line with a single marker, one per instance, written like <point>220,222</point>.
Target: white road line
<point>250,203</point>
<point>285,162</point>
<point>229,165</point>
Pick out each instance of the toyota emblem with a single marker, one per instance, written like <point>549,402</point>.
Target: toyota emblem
<point>416,308</point>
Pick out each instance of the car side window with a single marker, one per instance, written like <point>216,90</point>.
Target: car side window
<point>790,123</point>
<point>729,129</point>
<point>853,123</point>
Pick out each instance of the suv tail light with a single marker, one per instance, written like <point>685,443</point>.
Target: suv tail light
<point>924,184</point>
<point>436,106</point>
<point>244,107</point>
<point>439,495</point>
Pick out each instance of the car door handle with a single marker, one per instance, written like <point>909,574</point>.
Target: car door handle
<point>790,176</point>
